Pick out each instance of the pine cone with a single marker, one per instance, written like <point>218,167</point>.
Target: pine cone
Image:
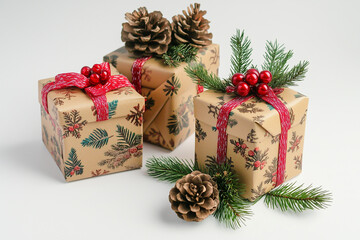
<point>146,33</point>
<point>191,27</point>
<point>194,197</point>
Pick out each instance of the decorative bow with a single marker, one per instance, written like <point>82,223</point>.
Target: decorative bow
<point>97,92</point>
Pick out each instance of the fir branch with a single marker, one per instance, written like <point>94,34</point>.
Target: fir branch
<point>169,169</point>
<point>290,78</point>
<point>241,56</point>
<point>179,53</point>
<point>289,197</point>
<point>200,76</point>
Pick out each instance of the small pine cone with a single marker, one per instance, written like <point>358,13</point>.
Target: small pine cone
<point>192,27</point>
<point>194,197</point>
<point>146,34</point>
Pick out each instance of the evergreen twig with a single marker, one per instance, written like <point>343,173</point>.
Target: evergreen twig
<point>200,76</point>
<point>169,169</point>
<point>180,53</point>
<point>241,53</point>
<point>289,197</point>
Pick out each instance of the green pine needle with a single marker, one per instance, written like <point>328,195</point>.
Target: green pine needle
<point>289,197</point>
<point>200,75</point>
<point>180,53</point>
<point>169,169</point>
<point>241,56</point>
<point>290,78</point>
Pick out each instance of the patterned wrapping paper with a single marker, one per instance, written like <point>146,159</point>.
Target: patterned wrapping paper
<point>169,115</point>
<point>83,147</point>
<point>253,137</point>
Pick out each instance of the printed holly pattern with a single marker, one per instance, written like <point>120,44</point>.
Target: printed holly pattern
<point>303,118</point>
<point>214,109</point>
<point>172,87</point>
<point>255,159</point>
<point>73,124</point>
<point>295,142</point>
<point>99,172</point>
<point>73,165</point>
<point>128,144</point>
<point>232,122</point>
<point>292,116</point>
<point>298,162</point>
<point>67,92</point>
<point>112,58</point>
<point>146,74</point>
<point>56,150</point>
<point>149,103</point>
<point>123,90</point>
<point>259,119</point>
<point>200,134</point>
<point>97,139</point>
<point>155,137</point>
<point>258,192</point>
<point>239,146</point>
<point>136,116</point>
<point>270,173</point>
<point>180,119</point>
<point>45,135</point>
<point>251,137</point>
<point>249,108</point>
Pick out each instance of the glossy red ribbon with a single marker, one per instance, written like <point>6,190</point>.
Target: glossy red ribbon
<point>280,107</point>
<point>97,93</point>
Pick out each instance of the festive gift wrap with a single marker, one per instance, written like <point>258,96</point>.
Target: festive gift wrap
<point>169,92</point>
<point>253,136</point>
<point>89,128</point>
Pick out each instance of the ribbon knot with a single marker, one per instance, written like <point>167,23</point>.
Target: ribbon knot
<point>97,92</point>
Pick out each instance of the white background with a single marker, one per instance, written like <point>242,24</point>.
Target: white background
<point>42,38</point>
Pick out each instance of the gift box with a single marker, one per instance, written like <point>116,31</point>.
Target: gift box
<point>81,145</point>
<point>169,92</point>
<point>253,132</point>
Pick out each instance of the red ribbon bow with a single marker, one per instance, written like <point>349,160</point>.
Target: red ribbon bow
<point>96,93</point>
<point>272,99</point>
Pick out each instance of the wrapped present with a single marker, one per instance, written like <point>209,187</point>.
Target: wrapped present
<point>152,63</point>
<point>253,135</point>
<point>92,125</point>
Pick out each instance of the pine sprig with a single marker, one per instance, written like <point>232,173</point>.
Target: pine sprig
<point>200,75</point>
<point>97,139</point>
<point>169,169</point>
<point>241,57</point>
<point>179,53</point>
<point>297,198</point>
<point>290,78</point>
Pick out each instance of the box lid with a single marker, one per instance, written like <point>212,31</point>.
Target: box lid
<point>254,111</point>
<point>155,72</point>
<point>61,101</point>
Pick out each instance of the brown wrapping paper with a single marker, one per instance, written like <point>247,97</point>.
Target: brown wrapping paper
<point>83,147</point>
<point>168,119</point>
<point>253,137</point>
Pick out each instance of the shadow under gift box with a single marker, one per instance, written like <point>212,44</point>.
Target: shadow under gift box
<point>169,115</point>
<point>83,147</point>
<point>253,137</point>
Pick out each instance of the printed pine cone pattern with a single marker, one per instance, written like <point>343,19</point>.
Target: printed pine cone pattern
<point>146,34</point>
<point>191,28</point>
<point>194,197</point>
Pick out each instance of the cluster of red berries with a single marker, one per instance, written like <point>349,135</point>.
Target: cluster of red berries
<point>96,74</point>
<point>252,80</point>
<point>72,128</point>
<point>76,168</point>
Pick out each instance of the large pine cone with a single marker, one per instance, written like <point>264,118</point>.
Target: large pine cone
<point>146,34</point>
<point>192,27</point>
<point>194,197</point>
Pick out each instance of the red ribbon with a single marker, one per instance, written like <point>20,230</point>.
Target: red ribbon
<point>96,93</point>
<point>280,107</point>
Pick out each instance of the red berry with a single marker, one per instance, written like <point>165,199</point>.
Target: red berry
<point>76,126</point>
<point>237,144</point>
<point>133,150</point>
<point>251,78</point>
<point>140,146</point>
<point>257,164</point>
<point>262,89</point>
<point>256,149</point>
<point>236,78</point>
<point>76,168</point>
<point>265,76</point>
<point>104,76</point>
<point>96,68</point>
<point>71,129</point>
<point>94,79</point>
<point>72,172</point>
<point>243,89</point>
<point>86,71</point>
<point>243,146</point>
<point>253,70</point>
<point>251,153</point>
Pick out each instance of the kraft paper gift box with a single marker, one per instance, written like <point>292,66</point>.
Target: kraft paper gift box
<point>83,147</point>
<point>253,137</point>
<point>169,92</point>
